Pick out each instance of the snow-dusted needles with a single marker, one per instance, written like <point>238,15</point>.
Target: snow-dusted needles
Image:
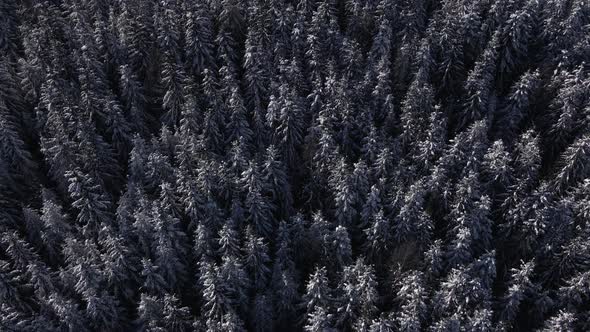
<point>294,165</point>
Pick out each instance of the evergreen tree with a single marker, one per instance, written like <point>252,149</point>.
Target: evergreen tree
<point>262,312</point>
<point>416,109</point>
<point>479,85</point>
<point>473,229</point>
<point>412,295</point>
<point>68,312</point>
<point>257,260</point>
<point>259,207</point>
<point>567,106</point>
<point>238,126</point>
<point>497,170</point>
<point>199,37</point>
<point>317,293</point>
<point>357,294</point>
<point>285,114</point>
<point>318,321</point>
<point>412,222</point>
<point>90,200</point>
<point>520,286</point>
<point>216,303</point>
<point>432,146</point>
<point>518,102</point>
<point>169,247</point>
<point>516,36</point>
<point>378,235</point>
<point>276,179</point>
<point>573,163</point>
<point>563,321</point>
<point>284,279</point>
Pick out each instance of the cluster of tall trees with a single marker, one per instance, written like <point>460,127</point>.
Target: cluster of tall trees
<point>284,165</point>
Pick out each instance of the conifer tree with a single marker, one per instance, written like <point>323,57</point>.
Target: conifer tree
<point>520,287</point>
<point>412,295</point>
<point>357,294</point>
<point>257,258</point>
<point>317,292</point>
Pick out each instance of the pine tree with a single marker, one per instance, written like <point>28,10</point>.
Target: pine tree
<point>176,317</point>
<point>14,150</point>
<point>169,247</point>
<point>357,294</point>
<point>256,60</point>
<point>432,146</point>
<point>134,100</point>
<point>68,312</point>
<point>228,240</point>
<point>567,106</point>
<point>238,126</point>
<point>576,290</point>
<point>516,36</point>
<point>199,37</point>
<point>232,322</point>
<point>214,127</point>
<point>28,262</point>
<point>481,321</point>
<point>345,197</point>
<point>285,116</point>
<point>216,303</point>
<point>412,223</point>
<point>465,290</point>
<point>121,265</point>
<point>319,321</point>
<point>479,86</point>
<point>433,258</point>
<point>55,227</point>
<point>574,163</point>
<point>497,169</point>
<point>258,205</point>
<point>416,109</point>
<point>257,259</point>
<point>529,217</point>
<point>284,279</point>
<point>449,43</point>
<point>563,321</point>
<point>520,286</point>
<point>149,313</point>
<point>276,179</point>
<point>317,292</point>
<point>103,312</point>
<point>261,314</point>
<point>517,103</point>
<point>173,77</point>
<point>473,228</point>
<point>412,295</point>
<point>372,205</point>
<point>235,282</point>
<point>153,281</point>
<point>90,200</point>
<point>528,158</point>
<point>339,248</point>
<point>378,235</point>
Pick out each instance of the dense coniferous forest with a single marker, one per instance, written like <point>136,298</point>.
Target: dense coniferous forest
<point>284,165</point>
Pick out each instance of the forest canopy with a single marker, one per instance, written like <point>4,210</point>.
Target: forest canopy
<point>285,165</point>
